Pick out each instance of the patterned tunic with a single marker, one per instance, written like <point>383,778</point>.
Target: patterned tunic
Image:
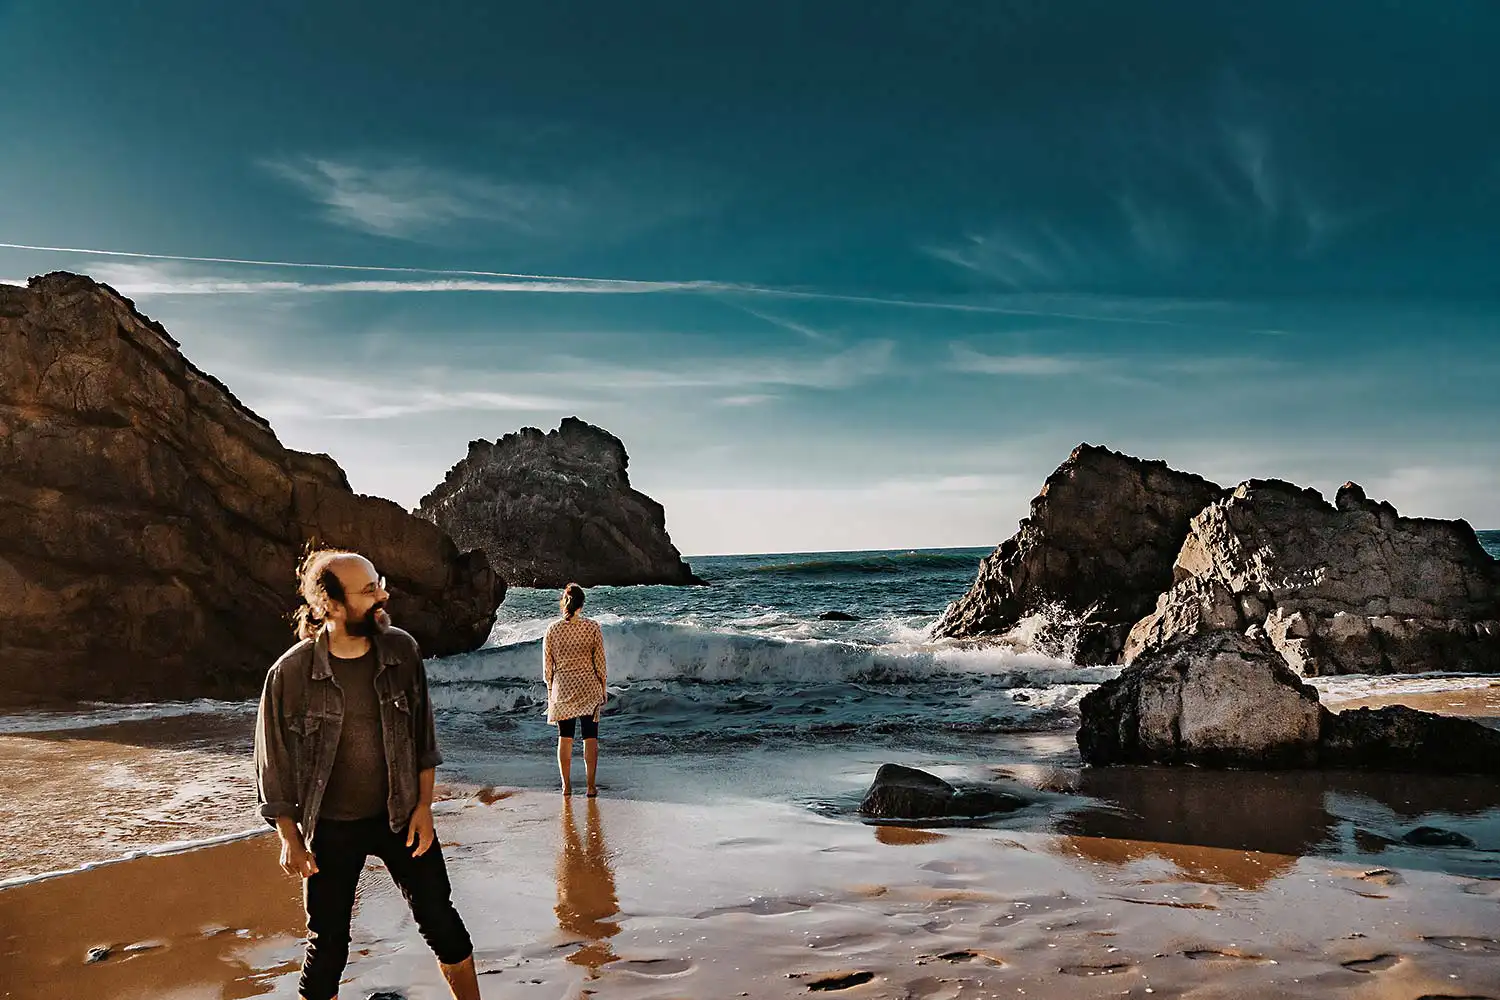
<point>573,667</point>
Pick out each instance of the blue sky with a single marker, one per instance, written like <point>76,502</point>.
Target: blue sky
<point>840,275</point>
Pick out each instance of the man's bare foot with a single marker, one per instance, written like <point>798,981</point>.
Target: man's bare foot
<point>567,789</point>
<point>593,793</point>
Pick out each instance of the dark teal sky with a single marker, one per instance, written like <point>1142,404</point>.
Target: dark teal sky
<point>841,275</point>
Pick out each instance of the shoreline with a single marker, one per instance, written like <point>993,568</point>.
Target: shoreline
<point>137,786</point>
<point>627,898</point>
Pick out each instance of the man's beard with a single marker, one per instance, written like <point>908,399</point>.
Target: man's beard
<point>367,625</point>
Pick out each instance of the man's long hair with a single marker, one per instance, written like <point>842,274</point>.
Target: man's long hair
<point>318,587</point>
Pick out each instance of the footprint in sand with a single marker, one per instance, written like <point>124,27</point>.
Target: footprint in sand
<point>970,955</point>
<point>1215,955</point>
<point>654,967</point>
<point>854,939</point>
<point>1378,963</point>
<point>1469,944</point>
<point>761,908</point>
<point>839,981</point>
<point>1095,970</point>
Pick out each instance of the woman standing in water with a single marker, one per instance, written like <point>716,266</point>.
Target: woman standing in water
<point>573,667</point>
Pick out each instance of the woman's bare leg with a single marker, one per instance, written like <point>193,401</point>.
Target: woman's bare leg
<point>565,762</point>
<point>591,762</point>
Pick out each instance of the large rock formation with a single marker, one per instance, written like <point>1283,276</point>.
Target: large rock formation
<point>557,507</point>
<point>1350,587</point>
<point>150,523</point>
<point>1221,699</point>
<point>1098,547</point>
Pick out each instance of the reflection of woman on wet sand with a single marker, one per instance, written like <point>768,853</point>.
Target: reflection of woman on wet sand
<point>586,888</point>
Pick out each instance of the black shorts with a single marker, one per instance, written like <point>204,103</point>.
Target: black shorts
<point>590,727</point>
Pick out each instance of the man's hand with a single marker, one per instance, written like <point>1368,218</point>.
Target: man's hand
<point>296,859</point>
<point>420,831</point>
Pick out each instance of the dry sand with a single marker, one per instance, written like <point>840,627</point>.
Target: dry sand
<point>631,899</point>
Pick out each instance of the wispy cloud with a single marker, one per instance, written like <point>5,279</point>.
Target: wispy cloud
<point>965,359</point>
<point>412,200</point>
<point>1134,369</point>
<point>1020,260</point>
<point>839,370</point>
<point>546,386</point>
<point>988,484</point>
<point>278,394</point>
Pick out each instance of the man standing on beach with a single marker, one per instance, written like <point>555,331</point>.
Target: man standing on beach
<point>345,754</point>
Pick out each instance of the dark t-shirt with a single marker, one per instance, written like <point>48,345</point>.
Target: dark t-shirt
<point>358,786</point>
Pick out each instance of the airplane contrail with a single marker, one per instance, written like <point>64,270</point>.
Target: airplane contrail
<point>644,285</point>
<point>331,267</point>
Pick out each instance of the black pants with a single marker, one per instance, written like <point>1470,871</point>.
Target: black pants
<point>340,848</point>
<point>590,727</point>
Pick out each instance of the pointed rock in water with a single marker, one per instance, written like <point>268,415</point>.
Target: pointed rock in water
<point>96,955</point>
<point>550,509</point>
<point>142,494</point>
<point>1220,699</point>
<point>1098,546</point>
<point>1347,587</point>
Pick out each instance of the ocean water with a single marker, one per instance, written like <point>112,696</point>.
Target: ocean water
<point>757,658</point>
<point>1491,542</point>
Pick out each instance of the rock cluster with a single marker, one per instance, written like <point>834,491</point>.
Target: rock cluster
<point>1138,556</point>
<point>549,509</point>
<point>1348,587</point>
<point>150,522</point>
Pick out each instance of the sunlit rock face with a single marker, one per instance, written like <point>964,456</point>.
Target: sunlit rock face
<point>150,522</point>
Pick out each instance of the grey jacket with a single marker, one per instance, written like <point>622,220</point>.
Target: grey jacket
<point>302,713</point>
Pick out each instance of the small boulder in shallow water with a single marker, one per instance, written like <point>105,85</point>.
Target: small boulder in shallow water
<point>96,955</point>
<point>1216,699</point>
<point>1433,836</point>
<point>901,792</point>
<point>838,616</point>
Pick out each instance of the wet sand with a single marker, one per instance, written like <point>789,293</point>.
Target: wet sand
<point>95,794</point>
<point>1177,881</point>
<point>627,899</point>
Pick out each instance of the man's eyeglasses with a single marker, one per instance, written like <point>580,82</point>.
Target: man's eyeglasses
<point>373,588</point>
